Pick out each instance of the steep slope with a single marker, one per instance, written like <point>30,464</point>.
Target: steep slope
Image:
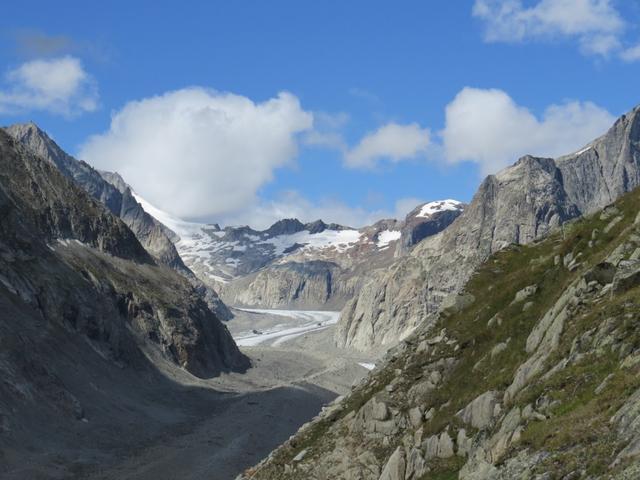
<point>531,371</point>
<point>425,221</point>
<point>113,192</point>
<point>51,226</point>
<point>86,317</point>
<point>120,202</point>
<point>520,204</point>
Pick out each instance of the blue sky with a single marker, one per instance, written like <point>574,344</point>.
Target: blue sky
<point>541,77</point>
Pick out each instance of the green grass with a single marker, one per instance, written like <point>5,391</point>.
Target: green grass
<point>578,434</point>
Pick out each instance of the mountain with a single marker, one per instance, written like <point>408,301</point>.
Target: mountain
<point>88,318</point>
<point>113,192</point>
<point>530,371</point>
<point>296,265</point>
<point>520,204</point>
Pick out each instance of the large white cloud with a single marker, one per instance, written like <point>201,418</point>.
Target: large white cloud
<point>197,152</point>
<point>596,24</point>
<point>391,141</point>
<point>488,127</point>
<point>59,85</point>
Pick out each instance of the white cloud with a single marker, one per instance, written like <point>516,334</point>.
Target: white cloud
<point>197,152</point>
<point>293,204</point>
<point>631,54</point>
<point>59,85</point>
<point>488,127</point>
<point>596,24</point>
<point>391,141</point>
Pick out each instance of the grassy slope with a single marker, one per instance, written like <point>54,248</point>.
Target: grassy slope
<point>577,433</point>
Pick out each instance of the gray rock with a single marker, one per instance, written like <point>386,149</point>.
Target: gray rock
<point>627,276</point>
<point>525,293</point>
<point>520,204</point>
<point>480,412</point>
<point>395,466</point>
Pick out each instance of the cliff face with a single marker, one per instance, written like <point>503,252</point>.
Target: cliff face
<point>530,371</point>
<point>114,193</point>
<point>73,265</point>
<point>119,202</point>
<point>327,276</point>
<point>520,204</point>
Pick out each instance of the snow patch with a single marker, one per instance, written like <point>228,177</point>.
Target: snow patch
<point>386,237</point>
<point>430,208</point>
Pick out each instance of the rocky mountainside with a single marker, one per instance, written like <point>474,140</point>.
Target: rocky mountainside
<point>81,298</point>
<point>520,204</point>
<point>531,371</point>
<point>291,264</point>
<point>113,192</point>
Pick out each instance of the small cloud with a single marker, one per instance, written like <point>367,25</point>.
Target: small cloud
<point>596,24</point>
<point>631,54</point>
<point>326,131</point>
<point>33,43</point>
<point>58,85</point>
<point>392,141</point>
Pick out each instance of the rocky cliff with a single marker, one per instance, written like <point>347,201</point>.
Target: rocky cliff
<point>73,265</point>
<point>520,204</point>
<point>296,265</point>
<point>530,371</point>
<point>113,192</point>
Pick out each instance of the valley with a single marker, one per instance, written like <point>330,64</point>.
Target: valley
<point>488,340</point>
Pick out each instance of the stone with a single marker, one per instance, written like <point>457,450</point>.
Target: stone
<point>463,443</point>
<point>525,293</point>
<point>438,446</point>
<point>395,467</point>
<point>416,465</point>
<point>627,276</point>
<point>415,416</point>
<point>300,456</point>
<point>379,410</point>
<point>479,413</point>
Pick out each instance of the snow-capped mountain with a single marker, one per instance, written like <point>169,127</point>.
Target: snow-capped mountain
<point>310,264</point>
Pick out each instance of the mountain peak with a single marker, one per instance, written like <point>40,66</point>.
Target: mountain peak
<point>285,226</point>
<point>430,208</point>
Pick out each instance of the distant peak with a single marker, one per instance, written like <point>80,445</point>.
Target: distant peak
<point>285,226</point>
<point>431,208</point>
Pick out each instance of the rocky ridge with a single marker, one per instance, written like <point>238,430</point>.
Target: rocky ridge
<point>520,204</point>
<point>295,265</point>
<point>113,192</point>
<point>530,371</point>
<point>70,263</point>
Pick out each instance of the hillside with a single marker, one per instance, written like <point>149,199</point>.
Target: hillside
<point>531,371</point>
<point>520,204</point>
<point>89,320</point>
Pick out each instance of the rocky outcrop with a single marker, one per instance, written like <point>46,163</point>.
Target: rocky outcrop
<point>520,204</point>
<point>81,268</point>
<point>116,197</point>
<point>112,191</point>
<point>310,285</point>
<point>425,221</point>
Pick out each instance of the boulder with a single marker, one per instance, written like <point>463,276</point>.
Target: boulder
<point>479,413</point>
<point>395,467</point>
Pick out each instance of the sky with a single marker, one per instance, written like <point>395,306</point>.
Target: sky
<point>243,112</point>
